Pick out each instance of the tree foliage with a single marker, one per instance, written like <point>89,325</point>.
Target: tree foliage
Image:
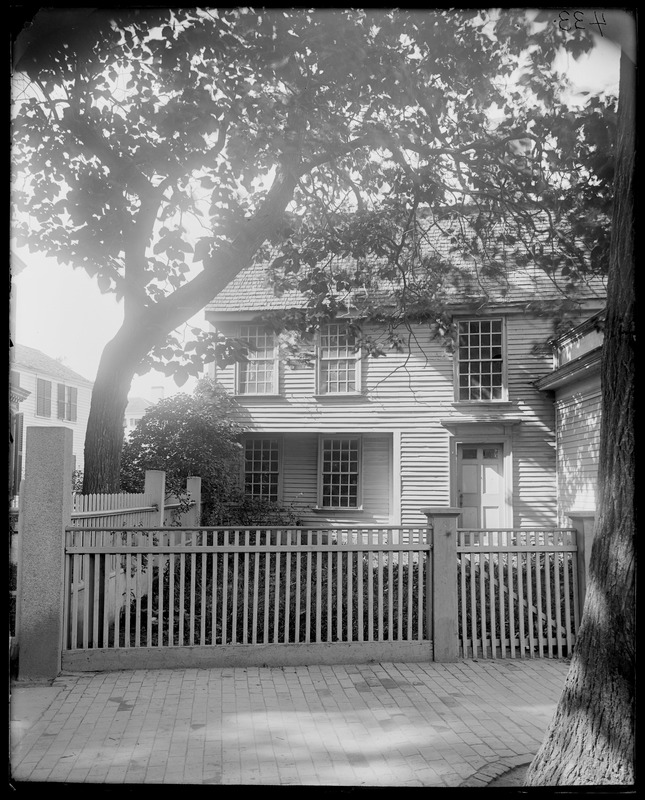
<point>162,151</point>
<point>186,435</point>
<point>198,435</point>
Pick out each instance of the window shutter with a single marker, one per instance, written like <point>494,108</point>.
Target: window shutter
<point>43,398</point>
<point>73,403</point>
<point>61,401</point>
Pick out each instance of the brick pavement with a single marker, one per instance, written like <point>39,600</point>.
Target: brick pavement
<point>388,724</point>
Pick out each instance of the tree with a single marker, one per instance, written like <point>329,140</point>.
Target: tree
<point>591,738</point>
<point>187,435</point>
<point>317,133</point>
<point>198,434</point>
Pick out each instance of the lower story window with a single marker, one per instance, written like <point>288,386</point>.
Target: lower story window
<point>339,472</point>
<point>262,468</point>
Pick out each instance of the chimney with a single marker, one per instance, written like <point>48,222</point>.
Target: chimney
<point>157,393</point>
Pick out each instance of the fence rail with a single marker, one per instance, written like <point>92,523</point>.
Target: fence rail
<point>163,587</point>
<point>518,592</point>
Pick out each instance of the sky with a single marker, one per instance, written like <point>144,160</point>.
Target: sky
<point>61,312</point>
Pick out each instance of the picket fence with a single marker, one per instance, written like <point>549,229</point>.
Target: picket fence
<point>517,590</point>
<point>216,586</point>
<point>120,509</point>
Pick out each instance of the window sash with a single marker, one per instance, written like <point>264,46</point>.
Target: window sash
<point>339,472</point>
<point>43,398</point>
<point>338,363</point>
<point>480,360</point>
<point>262,468</point>
<point>258,375</point>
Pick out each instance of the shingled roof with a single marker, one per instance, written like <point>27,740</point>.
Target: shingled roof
<point>252,291</point>
<point>37,361</point>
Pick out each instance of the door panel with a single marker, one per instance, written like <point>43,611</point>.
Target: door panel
<point>480,485</point>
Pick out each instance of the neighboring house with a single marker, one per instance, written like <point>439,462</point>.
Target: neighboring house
<point>137,407</point>
<point>575,384</point>
<point>372,441</point>
<point>135,410</point>
<point>49,393</point>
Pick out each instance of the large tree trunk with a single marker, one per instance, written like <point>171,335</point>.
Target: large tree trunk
<point>591,738</point>
<point>104,437</point>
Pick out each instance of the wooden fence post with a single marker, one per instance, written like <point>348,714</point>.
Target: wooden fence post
<point>45,512</point>
<point>442,522</point>
<point>155,492</point>
<point>584,522</point>
<point>194,489</point>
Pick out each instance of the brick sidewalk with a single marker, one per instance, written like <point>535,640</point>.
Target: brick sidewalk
<point>390,724</point>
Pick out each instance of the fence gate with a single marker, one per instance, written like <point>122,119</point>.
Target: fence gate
<point>518,592</point>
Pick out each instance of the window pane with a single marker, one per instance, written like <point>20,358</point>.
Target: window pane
<point>337,368</point>
<point>340,472</point>
<point>257,375</point>
<point>261,468</point>
<point>479,357</point>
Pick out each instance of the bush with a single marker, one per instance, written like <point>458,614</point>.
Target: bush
<point>188,435</point>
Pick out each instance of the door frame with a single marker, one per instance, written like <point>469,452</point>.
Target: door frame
<point>482,434</point>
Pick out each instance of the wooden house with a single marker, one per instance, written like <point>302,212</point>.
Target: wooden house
<point>49,394</point>
<point>355,440</point>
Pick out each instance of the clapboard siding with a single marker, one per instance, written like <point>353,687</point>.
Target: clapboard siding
<point>300,480</point>
<point>534,461</point>
<point>578,423</point>
<point>411,393</point>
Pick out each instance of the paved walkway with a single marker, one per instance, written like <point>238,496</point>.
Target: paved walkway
<point>389,724</point>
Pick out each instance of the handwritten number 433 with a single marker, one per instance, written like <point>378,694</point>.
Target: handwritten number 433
<point>567,24</point>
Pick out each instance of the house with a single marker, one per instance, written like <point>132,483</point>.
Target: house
<point>137,407</point>
<point>134,412</point>
<point>362,441</point>
<point>574,384</point>
<point>45,392</point>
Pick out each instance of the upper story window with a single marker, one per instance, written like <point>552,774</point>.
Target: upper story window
<point>67,401</point>
<point>480,360</point>
<point>258,375</point>
<point>43,398</point>
<point>262,467</point>
<point>339,472</point>
<point>338,361</point>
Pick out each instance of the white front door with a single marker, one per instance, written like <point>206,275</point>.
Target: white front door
<point>480,485</point>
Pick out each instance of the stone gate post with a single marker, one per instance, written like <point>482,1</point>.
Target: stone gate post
<point>45,512</point>
<point>442,523</point>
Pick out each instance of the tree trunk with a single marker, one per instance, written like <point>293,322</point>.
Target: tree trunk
<point>591,738</point>
<point>104,437</point>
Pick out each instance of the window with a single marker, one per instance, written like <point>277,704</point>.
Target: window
<point>339,472</point>
<point>67,401</point>
<point>43,398</point>
<point>480,370</point>
<point>338,363</point>
<point>16,447</point>
<point>262,468</point>
<point>259,374</point>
